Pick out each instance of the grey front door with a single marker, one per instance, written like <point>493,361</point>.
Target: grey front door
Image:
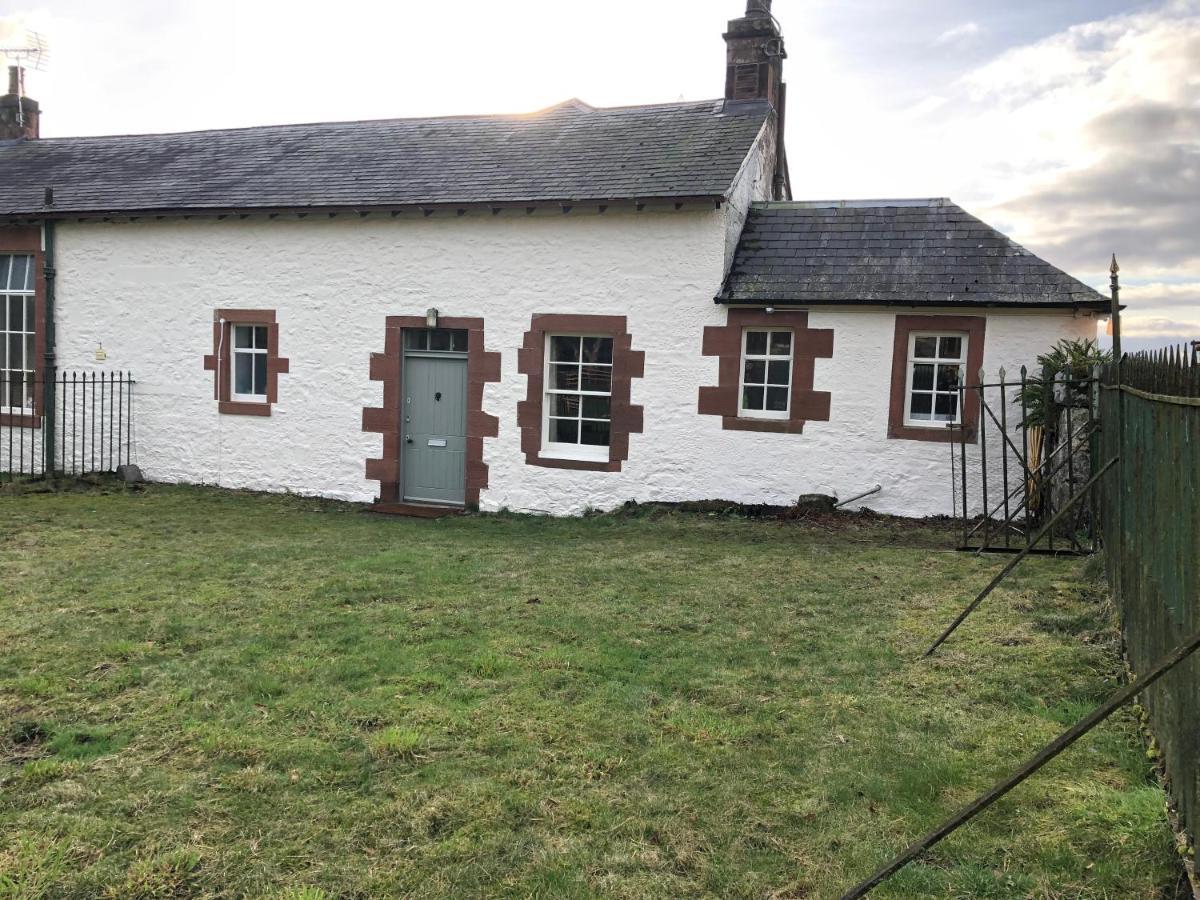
<point>434,428</point>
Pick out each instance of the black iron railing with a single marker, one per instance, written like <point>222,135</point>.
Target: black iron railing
<point>79,423</point>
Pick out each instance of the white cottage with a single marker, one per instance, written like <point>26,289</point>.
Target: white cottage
<point>551,312</point>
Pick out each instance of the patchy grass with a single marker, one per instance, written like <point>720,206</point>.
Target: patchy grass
<point>210,694</point>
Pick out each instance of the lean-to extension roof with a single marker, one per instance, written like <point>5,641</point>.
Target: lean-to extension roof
<point>570,152</point>
<point>890,252</point>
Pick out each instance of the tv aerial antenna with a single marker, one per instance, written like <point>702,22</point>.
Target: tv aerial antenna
<point>34,55</point>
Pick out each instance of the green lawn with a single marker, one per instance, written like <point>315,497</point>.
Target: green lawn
<point>210,694</point>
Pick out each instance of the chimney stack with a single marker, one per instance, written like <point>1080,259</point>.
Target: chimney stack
<point>754,56</point>
<point>754,72</point>
<point>19,116</point>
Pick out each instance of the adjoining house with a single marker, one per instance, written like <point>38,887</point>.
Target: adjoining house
<point>515,311</point>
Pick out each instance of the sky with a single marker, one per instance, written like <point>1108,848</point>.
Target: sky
<point>1072,125</point>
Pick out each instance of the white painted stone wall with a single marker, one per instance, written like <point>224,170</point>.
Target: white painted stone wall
<point>147,291</point>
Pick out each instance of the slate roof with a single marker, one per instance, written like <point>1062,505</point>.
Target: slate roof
<point>909,253</point>
<point>570,152</point>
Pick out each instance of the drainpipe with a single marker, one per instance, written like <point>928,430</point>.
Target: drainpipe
<point>49,368</point>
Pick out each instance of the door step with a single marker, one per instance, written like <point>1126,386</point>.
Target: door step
<point>415,510</point>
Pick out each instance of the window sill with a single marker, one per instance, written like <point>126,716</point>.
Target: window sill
<point>557,459</point>
<point>237,408</point>
<point>601,456</point>
<point>20,420</point>
<point>758,416</point>
<point>750,423</point>
<point>937,434</point>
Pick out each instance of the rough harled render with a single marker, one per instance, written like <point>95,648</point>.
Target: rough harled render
<point>568,152</point>
<point>904,252</point>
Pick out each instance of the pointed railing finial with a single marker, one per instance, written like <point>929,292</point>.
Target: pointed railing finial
<point>1115,312</point>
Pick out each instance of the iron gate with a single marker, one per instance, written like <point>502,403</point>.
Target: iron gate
<point>1030,459</point>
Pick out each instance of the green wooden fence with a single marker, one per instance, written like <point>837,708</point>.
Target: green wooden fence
<point>1150,520</point>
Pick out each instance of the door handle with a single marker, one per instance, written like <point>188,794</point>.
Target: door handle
<point>408,440</point>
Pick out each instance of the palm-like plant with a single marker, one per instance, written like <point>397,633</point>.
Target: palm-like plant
<point>1073,357</point>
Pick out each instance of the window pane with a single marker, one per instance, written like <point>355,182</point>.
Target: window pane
<point>458,340</point>
<point>594,434</point>
<point>564,348</point>
<point>15,309</point>
<point>925,348</point>
<point>16,389</point>
<point>260,337</point>
<point>566,378</point>
<point>947,378</point>
<point>243,375</point>
<point>597,349</point>
<point>3,354</point>
<point>756,371</point>
<point>260,374</point>
<point>564,431</point>
<point>779,372</point>
<point>439,339</point>
<point>19,280</point>
<point>756,343</point>
<point>241,336</point>
<point>921,406</point>
<point>30,358</point>
<point>416,339</point>
<point>597,378</point>
<point>597,407</point>
<point>29,320</point>
<point>16,359</point>
<point>5,261</point>
<point>777,399</point>
<point>752,398</point>
<point>923,377</point>
<point>781,343</point>
<point>951,348</point>
<point>945,407</point>
<point>566,405</point>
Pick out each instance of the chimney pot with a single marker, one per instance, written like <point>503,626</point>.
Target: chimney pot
<point>756,6</point>
<point>16,79</point>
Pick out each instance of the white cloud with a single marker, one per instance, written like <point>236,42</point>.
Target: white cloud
<point>966,33</point>
<point>1167,329</point>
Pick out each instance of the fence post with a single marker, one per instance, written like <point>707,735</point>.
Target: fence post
<point>1118,548</point>
<point>1049,433</point>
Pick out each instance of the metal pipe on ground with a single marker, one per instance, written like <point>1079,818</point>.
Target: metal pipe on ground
<point>1004,573</point>
<point>1047,753</point>
<point>862,496</point>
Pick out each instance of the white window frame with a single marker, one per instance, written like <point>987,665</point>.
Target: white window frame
<point>555,449</point>
<point>29,330</point>
<point>935,361</point>
<point>766,359</point>
<point>234,350</point>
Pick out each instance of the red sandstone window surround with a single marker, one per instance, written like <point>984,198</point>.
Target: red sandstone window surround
<point>926,353</point>
<point>767,370</point>
<point>577,412</point>
<point>246,361</point>
<point>24,329</point>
